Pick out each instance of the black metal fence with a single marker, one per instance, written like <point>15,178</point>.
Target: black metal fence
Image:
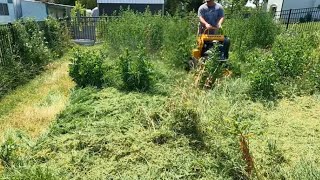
<point>88,27</point>
<point>93,27</point>
<point>300,19</point>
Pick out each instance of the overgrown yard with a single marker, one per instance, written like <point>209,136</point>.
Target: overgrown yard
<point>137,114</point>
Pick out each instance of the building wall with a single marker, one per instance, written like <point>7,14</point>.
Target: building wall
<point>11,17</point>
<point>277,3</point>
<point>34,9</point>
<point>298,4</point>
<point>109,8</point>
<point>300,10</point>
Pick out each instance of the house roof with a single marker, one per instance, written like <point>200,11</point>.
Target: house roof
<point>61,5</point>
<point>49,3</point>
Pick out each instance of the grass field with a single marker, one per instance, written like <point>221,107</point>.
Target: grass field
<point>135,113</point>
<point>175,132</point>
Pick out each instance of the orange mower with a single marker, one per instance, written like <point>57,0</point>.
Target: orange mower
<point>210,47</point>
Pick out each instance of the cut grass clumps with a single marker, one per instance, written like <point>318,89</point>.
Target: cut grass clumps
<point>132,135</point>
<point>34,173</point>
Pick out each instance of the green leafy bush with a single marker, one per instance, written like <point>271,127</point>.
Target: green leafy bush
<point>24,54</point>
<point>86,68</point>
<point>289,67</point>
<point>29,43</point>
<point>258,30</point>
<point>56,35</point>
<point>136,70</point>
<point>179,39</point>
<point>263,75</point>
<point>131,30</point>
<point>291,54</point>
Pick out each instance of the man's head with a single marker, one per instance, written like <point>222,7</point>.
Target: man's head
<point>210,2</point>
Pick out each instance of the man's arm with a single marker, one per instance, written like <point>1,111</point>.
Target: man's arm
<point>204,22</point>
<point>220,22</point>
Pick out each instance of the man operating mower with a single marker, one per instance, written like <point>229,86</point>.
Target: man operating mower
<point>211,16</point>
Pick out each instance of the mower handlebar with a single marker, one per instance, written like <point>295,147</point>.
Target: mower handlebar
<point>206,31</point>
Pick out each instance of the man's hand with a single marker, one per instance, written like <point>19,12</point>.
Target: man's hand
<point>208,26</point>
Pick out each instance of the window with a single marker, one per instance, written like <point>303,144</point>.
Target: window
<point>4,11</point>
<point>273,9</point>
<point>10,1</point>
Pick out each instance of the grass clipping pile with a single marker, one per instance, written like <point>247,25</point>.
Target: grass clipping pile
<point>132,135</point>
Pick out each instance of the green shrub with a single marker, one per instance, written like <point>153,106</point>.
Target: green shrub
<point>291,54</point>
<point>179,40</point>
<point>258,30</point>
<point>24,53</point>
<point>56,36</point>
<point>86,68</point>
<point>136,70</point>
<point>132,29</point>
<point>13,75</point>
<point>29,44</point>
<point>263,75</point>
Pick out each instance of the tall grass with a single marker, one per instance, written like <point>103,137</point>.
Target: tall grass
<point>30,48</point>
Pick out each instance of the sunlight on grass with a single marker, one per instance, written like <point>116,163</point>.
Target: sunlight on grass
<point>294,126</point>
<point>32,107</point>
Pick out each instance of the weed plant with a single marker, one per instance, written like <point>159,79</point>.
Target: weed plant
<point>86,68</point>
<point>290,68</point>
<point>132,30</point>
<point>56,36</point>
<point>136,71</point>
<point>259,30</point>
<point>173,35</point>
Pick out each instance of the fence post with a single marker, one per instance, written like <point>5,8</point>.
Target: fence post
<point>288,19</point>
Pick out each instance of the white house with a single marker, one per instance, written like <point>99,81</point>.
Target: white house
<point>279,5</point>
<point>11,10</point>
<point>7,13</point>
<point>295,9</point>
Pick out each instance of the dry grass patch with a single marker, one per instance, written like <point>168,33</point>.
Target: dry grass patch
<point>32,107</point>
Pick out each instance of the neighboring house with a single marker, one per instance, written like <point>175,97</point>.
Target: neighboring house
<point>58,10</point>
<point>307,9</point>
<point>280,5</point>
<point>108,7</point>
<point>11,10</point>
<point>7,13</point>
